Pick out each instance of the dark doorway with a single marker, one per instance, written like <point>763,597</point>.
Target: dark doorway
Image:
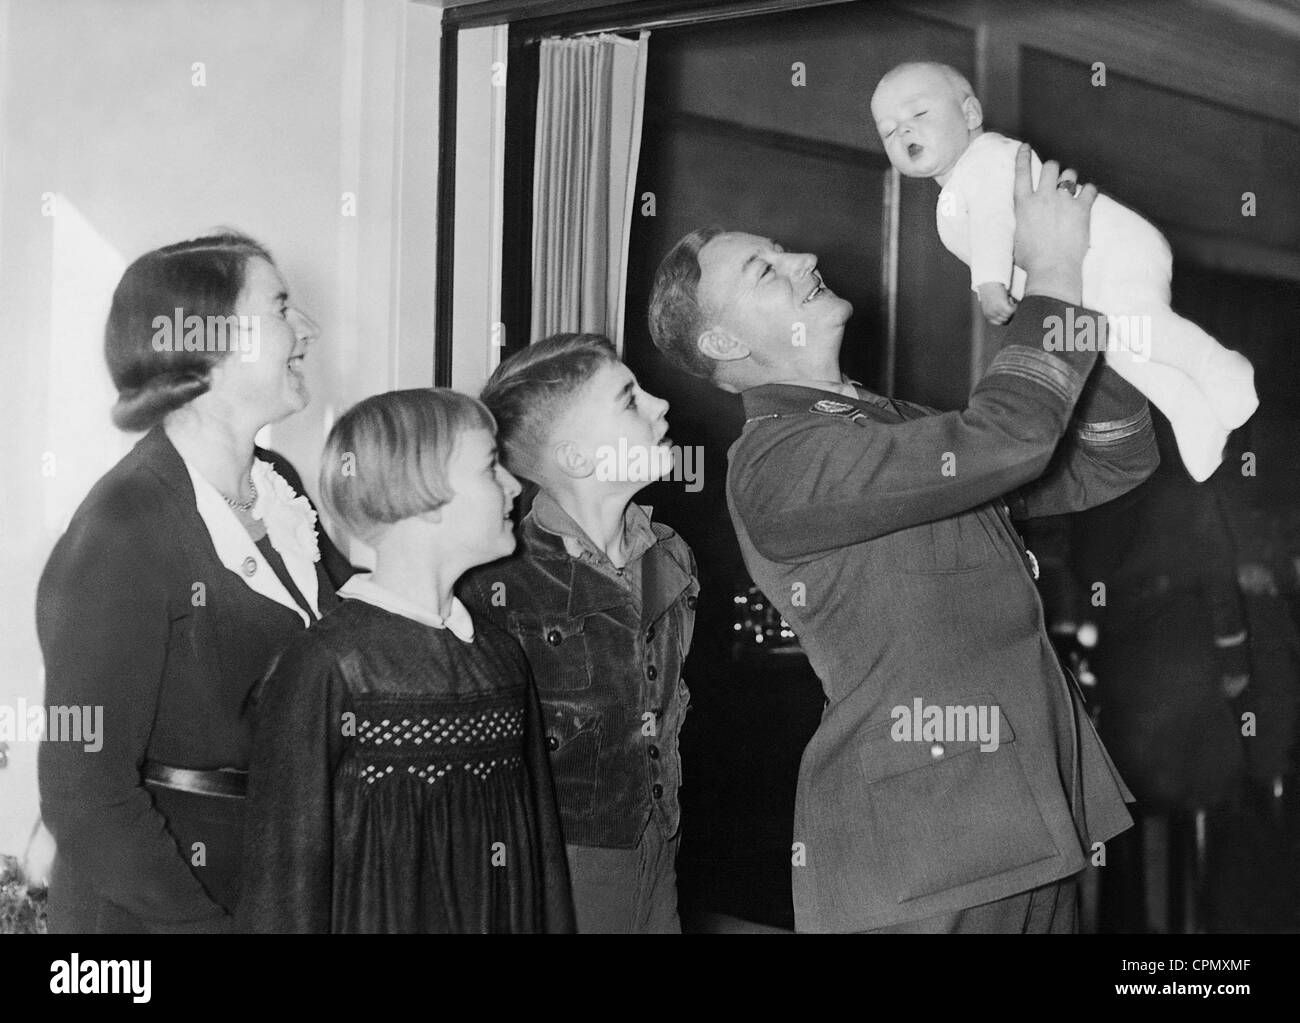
<point>731,140</point>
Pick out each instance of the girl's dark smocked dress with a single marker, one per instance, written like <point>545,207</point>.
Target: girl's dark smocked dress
<point>399,783</point>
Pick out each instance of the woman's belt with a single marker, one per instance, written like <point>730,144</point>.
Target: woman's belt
<point>228,781</point>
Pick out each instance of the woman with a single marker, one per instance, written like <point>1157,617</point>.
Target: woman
<point>185,571</point>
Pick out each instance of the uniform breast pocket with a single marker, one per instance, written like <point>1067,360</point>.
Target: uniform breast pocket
<point>952,810</point>
<point>556,647</point>
<point>957,544</point>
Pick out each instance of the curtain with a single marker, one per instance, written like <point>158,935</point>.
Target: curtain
<point>589,106</point>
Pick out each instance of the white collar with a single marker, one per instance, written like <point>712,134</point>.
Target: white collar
<point>236,549</point>
<point>361,587</point>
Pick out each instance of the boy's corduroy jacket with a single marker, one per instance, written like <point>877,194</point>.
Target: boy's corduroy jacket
<point>606,651</point>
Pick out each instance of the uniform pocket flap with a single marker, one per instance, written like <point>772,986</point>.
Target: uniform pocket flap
<point>943,731</point>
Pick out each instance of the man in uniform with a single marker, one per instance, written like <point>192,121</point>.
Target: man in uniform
<point>955,782</point>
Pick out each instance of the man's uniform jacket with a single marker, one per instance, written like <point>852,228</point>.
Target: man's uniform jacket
<point>879,530</point>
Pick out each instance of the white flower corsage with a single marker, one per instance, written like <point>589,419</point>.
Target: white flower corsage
<point>289,517</point>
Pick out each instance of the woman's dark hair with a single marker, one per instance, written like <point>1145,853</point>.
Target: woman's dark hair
<point>202,277</point>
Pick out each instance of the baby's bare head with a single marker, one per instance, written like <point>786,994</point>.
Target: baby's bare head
<point>926,114</point>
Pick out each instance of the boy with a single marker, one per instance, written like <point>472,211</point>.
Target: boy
<point>603,601</point>
<point>931,126</point>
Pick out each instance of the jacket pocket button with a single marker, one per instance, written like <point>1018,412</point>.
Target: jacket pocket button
<point>552,743</point>
<point>691,602</point>
<point>652,673</point>
<point>554,638</point>
<point>654,752</point>
<point>658,791</point>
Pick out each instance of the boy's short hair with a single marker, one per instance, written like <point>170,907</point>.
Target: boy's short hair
<point>677,318</point>
<point>534,388</point>
<point>386,458</point>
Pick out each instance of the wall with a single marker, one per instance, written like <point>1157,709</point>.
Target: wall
<point>113,142</point>
<point>481,76</point>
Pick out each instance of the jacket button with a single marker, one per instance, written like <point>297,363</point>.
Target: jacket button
<point>650,635</point>
<point>652,673</point>
<point>658,791</point>
<point>936,750</point>
<point>691,602</point>
<point>554,638</point>
<point>552,743</point>
<point>654,752</point>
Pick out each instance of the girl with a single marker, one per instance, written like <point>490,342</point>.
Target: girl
<point>399,781</point>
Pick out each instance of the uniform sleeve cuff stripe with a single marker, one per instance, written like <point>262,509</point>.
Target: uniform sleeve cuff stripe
<point>1040,368</point>
<point>1115,430</point>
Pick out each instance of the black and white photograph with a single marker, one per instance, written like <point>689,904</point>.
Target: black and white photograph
<point>664,467</point>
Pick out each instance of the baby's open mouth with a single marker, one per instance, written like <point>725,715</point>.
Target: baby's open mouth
<point>914,149</point>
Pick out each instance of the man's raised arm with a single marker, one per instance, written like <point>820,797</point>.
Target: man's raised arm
<point>844,484</point>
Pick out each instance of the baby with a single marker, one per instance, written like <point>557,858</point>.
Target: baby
<point>931,126</point>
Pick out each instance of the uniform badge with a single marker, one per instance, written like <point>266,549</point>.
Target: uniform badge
<point>832,408</point>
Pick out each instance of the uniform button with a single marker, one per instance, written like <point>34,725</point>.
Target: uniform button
<point>936,750</point>
<point>554,638</point>
<point>658,791</point>
<point>552,743</point>
<point>654,752</point>
<point>691,602</point>
<point>650,635</point>
<point>652,673</point>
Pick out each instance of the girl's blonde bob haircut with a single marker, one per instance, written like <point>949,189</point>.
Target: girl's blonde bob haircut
<point>386,458</point>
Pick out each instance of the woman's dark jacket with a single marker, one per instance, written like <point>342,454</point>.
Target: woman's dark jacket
<point>136,614</point>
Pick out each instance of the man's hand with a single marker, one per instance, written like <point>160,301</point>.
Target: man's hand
<point>996,301</point>
<point>1051,228</point>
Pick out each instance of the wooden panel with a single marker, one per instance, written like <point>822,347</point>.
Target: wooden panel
<point>741,71</point>
<point>1217,55</point>
<point>933,360</point>
<point>1177,159</point>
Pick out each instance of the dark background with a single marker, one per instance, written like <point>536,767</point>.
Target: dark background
<point>1198,107</point>
<point>729,141</point>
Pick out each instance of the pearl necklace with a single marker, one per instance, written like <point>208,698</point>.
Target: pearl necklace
<point>244,506</point>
